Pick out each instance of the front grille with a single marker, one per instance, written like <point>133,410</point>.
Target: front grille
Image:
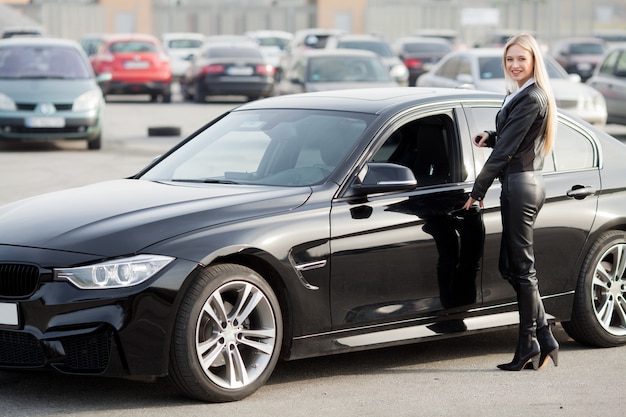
<point>89,353</point>
<point>18,280</point>
<point>66,129</point>
<point>20,349</point>
<point>33,106</point>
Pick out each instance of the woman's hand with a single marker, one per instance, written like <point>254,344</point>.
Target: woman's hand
<point>470,202</point>
<point>480,139</point>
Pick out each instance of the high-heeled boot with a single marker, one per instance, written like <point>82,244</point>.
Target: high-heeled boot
<point>549,346</point>
<point>547,342</point>
<point>528,349</point>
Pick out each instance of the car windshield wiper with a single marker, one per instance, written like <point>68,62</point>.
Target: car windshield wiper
<point>206,180</point>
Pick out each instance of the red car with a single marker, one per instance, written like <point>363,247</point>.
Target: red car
<point>138,65</point>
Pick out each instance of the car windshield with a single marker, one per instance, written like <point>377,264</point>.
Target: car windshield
<point>232,52</point>
<point>491,68</point>
<point>379,48</point>
<point>426,47</point>
<point>42,62</point>
<point>586,49</point>
<point>133,46</point>
<point>266,147</point>
<point>184,43</point>
<point>277,41</point>
<point>346,69</point>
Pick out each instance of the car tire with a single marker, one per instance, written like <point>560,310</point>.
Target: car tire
<point>227,336</point>
<point>198,94</point>
<point>599,312</point>
<point>164,131</point>
<point>95,143</point>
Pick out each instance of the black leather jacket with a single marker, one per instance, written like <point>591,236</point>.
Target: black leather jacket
<point>518,140</point>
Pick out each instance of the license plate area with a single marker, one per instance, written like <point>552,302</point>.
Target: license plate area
<point>43,122</point>
<point>240,71</point>
<point>8,314</point>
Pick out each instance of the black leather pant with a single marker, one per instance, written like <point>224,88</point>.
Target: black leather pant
<point>523,195</point>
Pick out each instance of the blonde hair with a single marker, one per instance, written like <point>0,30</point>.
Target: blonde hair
<point>529,43</point>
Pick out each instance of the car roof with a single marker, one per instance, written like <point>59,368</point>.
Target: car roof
<point>27,41</point>
<point>370,100</point>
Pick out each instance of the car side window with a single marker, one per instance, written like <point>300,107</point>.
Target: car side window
<point>572,150</point>
<point>609,63</point>
<point>424,146</point>
<point>620,68</point>
<point>449,69</point>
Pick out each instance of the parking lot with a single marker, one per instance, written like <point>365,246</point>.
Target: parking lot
<point>448,377</point>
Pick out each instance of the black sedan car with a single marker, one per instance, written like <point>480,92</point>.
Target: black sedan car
<point>228,69</point>
<point>299,226</point>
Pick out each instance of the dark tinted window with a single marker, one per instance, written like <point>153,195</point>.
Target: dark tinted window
<point>42,62</point>
<point>133,46</point>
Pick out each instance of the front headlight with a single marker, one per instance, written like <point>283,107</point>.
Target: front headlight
<point>7,103</point>
<point>88,101</point>
<point>117,273</point>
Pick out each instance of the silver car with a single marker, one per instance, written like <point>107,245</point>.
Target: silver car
<point>609,79</point>
<point>481,69</point>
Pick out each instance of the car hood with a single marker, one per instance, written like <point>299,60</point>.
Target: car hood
<point>120,217</point>
<point>53,90</point>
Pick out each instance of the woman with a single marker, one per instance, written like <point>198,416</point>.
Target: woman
<point>525,131</point>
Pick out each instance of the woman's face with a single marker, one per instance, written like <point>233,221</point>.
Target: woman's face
<point>519,64</point>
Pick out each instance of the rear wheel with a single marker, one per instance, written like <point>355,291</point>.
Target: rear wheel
<point>599,313</point>
<point>228,335</point>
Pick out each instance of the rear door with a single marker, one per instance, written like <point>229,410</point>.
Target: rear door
<point>572,185</point>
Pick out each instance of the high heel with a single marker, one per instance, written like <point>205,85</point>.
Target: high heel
<point>549,346</point>
<point>528,353</point>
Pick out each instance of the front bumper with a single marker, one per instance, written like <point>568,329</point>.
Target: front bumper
<point>116,332</point>
<point>62,126</point>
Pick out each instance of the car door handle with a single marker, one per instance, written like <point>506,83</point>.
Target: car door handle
<point>579,192</point>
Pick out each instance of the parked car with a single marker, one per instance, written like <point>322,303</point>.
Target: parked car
<point>228,69</point>
<point>272,43</point>
<point>181,47</point>
<point>579,55</point>
<point>609,79</point>
<point>48,91</point>
<point>481,68</point>
<point>304,39</point>
<point>380,47</point>
<point>420,54</point>
<point>299,226</point>
<point>91,42</point>
<point>137,64</point>
<point>334,69</point>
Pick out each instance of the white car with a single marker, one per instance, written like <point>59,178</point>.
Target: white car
<point>272,44</point>
<point>481,69</point>
<point>180,47</point>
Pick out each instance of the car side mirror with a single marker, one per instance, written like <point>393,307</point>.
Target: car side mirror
<point>383,177</point>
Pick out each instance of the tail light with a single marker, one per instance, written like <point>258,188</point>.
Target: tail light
<point>265,69</point>
<point>413,63</point>
<point>213,69</point>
